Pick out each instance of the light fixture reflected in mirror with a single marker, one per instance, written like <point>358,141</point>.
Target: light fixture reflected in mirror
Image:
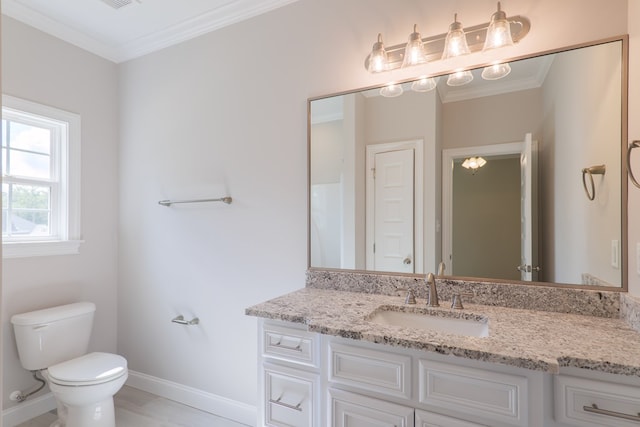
<point>378,59</point>
<point>459,78</point>
<point>424,84</point>
<point>391,90</point>
<point>473,163</point>
<point>496,71</point>
<point>414,52</point>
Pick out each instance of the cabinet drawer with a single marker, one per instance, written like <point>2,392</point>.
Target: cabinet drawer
<point>476,392</point>
<point>371,370</point>
<point>350,410</point>
<point>290,344</point>
<point>616,405</point>
<point>289,397</point>
<point>429,419</point>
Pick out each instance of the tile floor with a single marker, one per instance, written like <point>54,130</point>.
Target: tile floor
<point>135,408</point>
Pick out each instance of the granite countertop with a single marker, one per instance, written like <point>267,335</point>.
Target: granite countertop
<point>538,340</point>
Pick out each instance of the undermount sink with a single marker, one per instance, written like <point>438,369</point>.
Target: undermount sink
<point>457,323</point>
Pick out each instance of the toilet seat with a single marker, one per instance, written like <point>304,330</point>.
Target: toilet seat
<point>90,369</point>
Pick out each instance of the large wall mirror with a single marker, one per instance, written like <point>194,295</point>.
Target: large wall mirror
<point>517,179</point>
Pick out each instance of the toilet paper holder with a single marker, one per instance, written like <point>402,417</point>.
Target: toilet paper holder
<point>181,320</point>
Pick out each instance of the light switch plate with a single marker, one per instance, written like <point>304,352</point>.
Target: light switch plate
<point>615,254</point>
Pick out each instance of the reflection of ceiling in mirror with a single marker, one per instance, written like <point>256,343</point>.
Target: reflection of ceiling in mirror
<point>327,110</point>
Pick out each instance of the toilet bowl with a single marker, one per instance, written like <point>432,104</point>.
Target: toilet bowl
<point>54,341</point>
<point>84,389</point>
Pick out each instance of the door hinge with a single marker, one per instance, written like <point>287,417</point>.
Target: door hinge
<point>373,172</point>
<point>374,248</point>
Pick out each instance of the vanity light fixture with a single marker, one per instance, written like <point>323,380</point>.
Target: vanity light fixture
<point>496,71</point>
<point>414,51</point>
<point>378,59</point>
<point>455,44</point>
<point>501,31</point>
<point>474,163</point>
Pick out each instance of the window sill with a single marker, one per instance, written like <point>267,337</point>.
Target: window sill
<point>34,249</point>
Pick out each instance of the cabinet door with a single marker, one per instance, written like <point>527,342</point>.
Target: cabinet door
<point>352,410</point>
<point>429,419</point>
<point>289,397</point>
<point>583,402</point>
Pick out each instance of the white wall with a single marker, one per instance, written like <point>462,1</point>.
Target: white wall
<point>40,68</point>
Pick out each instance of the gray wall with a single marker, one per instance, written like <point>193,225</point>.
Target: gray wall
<point>43,69</point>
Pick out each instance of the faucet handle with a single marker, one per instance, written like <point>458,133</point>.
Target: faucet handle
<point>411,295</point>
<point>456,301</point>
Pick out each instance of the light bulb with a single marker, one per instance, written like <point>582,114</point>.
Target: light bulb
<point>499,31</point>
<point>414,51</point>
<point>455,44</point>
<point>378,60</point>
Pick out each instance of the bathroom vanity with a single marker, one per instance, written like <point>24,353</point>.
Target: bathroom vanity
<point>327,358</point>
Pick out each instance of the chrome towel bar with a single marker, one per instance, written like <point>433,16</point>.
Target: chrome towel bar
<point>226,200</point>
<point>180,320</point>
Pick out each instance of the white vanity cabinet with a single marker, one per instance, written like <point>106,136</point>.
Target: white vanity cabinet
<point>289,380</point>
<point>314,380</point>
<point>385,382</point>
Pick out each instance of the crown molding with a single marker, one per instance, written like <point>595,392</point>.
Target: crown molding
<point>215,19</point>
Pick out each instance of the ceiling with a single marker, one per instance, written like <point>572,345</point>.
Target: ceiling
<point>119,30</point>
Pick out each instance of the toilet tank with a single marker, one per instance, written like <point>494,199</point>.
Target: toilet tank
<point>53,335</point>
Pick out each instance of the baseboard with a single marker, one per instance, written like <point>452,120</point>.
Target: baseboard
<point>27,410</point>
<point>208,402</point>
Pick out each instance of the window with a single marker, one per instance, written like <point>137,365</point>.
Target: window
<point>40,179</point>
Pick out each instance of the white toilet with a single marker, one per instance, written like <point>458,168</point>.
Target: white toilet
<point>55,341</point>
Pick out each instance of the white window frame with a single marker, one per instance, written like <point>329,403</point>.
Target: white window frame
<point>67,162</point>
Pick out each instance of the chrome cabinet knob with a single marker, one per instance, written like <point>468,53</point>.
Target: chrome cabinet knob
<point>407,260</point>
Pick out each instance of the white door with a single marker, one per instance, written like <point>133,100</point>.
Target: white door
<point>393,211</point>
<point>353,410</point>
<point>528,210</point>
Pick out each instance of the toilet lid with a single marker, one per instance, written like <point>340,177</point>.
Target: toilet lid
<point>92,368</point>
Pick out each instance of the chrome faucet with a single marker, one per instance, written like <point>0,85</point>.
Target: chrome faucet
<point>432,301</point>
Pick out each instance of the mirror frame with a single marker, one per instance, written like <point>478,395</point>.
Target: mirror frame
<point>624,182</point>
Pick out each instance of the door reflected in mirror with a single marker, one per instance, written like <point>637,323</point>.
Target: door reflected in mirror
<point>388,191</point>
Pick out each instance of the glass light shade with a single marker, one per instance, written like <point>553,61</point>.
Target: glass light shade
<point>424,84</point>
<point>414,53</point>
<point>455,44</point>
<point>499,31</point>
<point>474,163</point>
<point>391,90</point>
<point>459,78</point>
<point>378,60</point>
<point>496,71</point>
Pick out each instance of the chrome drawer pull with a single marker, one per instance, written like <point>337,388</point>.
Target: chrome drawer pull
<point>595,410</point>
<point>287,347</point>
<point>286,405</point>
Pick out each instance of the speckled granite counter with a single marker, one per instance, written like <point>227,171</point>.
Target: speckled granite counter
<point>529,339</point>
